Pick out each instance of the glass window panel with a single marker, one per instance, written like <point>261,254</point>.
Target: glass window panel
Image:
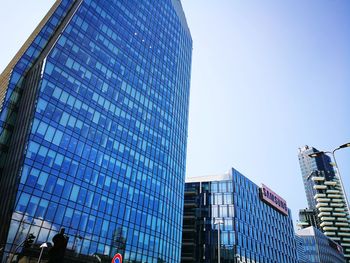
<point>23,202</point>
<point>74,193</point>
<point>32,205</point>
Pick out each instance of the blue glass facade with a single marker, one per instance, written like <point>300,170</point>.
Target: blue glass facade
<point>105,152</point>
<point>308,166</point>
<point>315,247</point>
<point>302,257</point>
<point>251,230</point>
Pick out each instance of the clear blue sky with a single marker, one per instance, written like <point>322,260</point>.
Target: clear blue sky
<point>267,78</point>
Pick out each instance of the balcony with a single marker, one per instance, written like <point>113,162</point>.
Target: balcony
<point>320,187</point>
<point>324,209</point>
<point>344,234</point>
<point>330,228</point>
<point>190,217</point>
<point>190,204</point>
<point>327,218</point>
<point>318,178</point>
<point>190,192</point>
<point>303,224</point>
<point>324,214</point>
<point>336,200</point>
<point>329,234</point>
<point>321,204</point>
<point>319,196</point>
<point>330,183</point>
<point>345,244</point>
<point>188,258</point>
<point>322,200</point>
<point>332,191</point>
<point>341,224</point>
<point>339,214</point>
<point>188,242</point>
<point>189,230</point>
<point>326,224</point>
<point>334,196</point>
<point>337,204</point>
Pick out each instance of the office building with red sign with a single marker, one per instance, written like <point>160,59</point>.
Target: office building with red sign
<point>230,217</point>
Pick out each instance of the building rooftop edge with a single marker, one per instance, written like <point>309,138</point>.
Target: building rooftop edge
<point>308,231</point>
<point>209,178</point>
<point>181,14</point>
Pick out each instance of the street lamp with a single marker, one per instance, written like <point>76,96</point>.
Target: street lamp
<point>27,242</point>
<point>76,237</point>
<point>218,221</point>
<point>317,154</point>
<point>43,246</point>
<point>97,257</point>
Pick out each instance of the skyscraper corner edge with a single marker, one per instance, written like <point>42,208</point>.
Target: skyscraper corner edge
<point>6,73</point>
<point>181,14</point>
<point>139,107</point>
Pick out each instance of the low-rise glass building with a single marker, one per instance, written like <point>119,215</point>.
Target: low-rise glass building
<point>252,223</point>
<point>315,247</point>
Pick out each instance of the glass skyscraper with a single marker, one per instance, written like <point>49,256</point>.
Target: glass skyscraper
<point>94,112</point>
<point>308,165</point>
<point>322,184</point>
<point>255,223</point>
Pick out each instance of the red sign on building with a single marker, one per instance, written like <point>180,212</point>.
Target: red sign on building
<point>273,199</point>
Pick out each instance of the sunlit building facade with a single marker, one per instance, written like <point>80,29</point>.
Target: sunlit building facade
<point>94,112</point>
<point>315,247</point>
<point>332,212</point>
<point>309,217</point>
<point>255,223</point>
<point>308,165</point>
<point>322,185</point>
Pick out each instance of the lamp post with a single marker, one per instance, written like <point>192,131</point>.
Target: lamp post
<point>28,241</point>
<point>97,257</point>
<point>76,237</point>
<point>218,222</point>
<point>43,246</point>
<point>317,154</point>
